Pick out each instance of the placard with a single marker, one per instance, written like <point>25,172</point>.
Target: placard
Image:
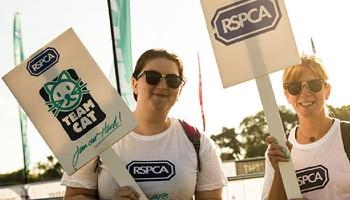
<point>70,101</point>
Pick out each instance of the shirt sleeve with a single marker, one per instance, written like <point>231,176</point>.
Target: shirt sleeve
<point>85,177</point>
<point>211,175</point>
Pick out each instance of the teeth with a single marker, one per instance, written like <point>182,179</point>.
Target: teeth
<point>306,103</point>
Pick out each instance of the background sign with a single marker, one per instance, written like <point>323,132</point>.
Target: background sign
<point>70,101</point>
<point>250,38</point>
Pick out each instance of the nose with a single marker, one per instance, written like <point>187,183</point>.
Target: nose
<point>305,88</point>
<point>162,83</point>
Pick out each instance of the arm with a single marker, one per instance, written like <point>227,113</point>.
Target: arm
<point>82,184</point>
<point>277,189</point>
<point>277,154</point>
<point>209,195</point>
<point>211,178</point>
<point>74,193</point>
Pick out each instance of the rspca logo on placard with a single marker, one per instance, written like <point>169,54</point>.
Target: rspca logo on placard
<point>245,19</point>
<point>155,170</point>
<point>43,61</point>
<point>312,178</point>
<point>70,102</point>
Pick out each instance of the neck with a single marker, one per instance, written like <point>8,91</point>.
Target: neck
<point>312,129</point>
<point>150,123</point>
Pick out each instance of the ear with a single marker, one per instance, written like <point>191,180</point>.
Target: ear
<point>134,84</point>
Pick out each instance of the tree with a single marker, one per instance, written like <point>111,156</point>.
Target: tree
<point>229,144</point>
<point>12,178</point>
<point>254,131</point>
<point>342,113</point>
<point>49,170</point>
<point>42,171</point>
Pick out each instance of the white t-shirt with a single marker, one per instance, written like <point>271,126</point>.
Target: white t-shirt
<point>163,165</point>
<point>322,167</point>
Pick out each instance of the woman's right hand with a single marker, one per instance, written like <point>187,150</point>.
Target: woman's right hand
<point>126,193</point>
<point>277,153</point>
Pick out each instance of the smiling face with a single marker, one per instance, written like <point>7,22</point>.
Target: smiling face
<point>159,97</point>
<point>307,103</point>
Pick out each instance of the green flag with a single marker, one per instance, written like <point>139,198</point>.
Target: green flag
<point>120,10</point>
<point>19,57</point>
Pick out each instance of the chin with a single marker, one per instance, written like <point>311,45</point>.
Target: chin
<point>160,107</point>
<point>309,114</point>
<point>303,115</point>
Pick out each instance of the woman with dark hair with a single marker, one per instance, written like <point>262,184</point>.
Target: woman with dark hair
<point>167,164</point>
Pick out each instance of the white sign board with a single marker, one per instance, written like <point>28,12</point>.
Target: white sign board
<point>250,38</point>
<point>70,101</point>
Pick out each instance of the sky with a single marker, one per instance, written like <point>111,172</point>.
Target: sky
<point>178,26</point>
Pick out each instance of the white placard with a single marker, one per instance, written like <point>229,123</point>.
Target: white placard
<point>252,38</point>
<point>70,101</point>
<point>241,30</point>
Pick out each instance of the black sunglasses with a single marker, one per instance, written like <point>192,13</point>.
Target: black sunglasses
<point>314,85</point>
<point>153,78</point>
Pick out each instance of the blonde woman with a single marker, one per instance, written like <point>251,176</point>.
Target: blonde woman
<point>317,150</point>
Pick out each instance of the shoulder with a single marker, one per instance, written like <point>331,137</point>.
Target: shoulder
<point>194,134</point>
<point>187,127</point>
<point>191,131</point>
<point>343,124</point>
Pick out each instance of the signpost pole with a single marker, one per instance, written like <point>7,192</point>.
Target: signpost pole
<point>276,130</point>
<point>119,172</point>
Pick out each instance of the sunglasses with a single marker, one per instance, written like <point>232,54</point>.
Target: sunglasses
<point>153,78</point>
<point>314,85</point>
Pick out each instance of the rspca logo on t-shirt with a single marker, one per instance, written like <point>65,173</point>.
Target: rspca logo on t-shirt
<point>70,102</point>
<point>155,170</point>
<point>245,19</point>
<point>312,178</point>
